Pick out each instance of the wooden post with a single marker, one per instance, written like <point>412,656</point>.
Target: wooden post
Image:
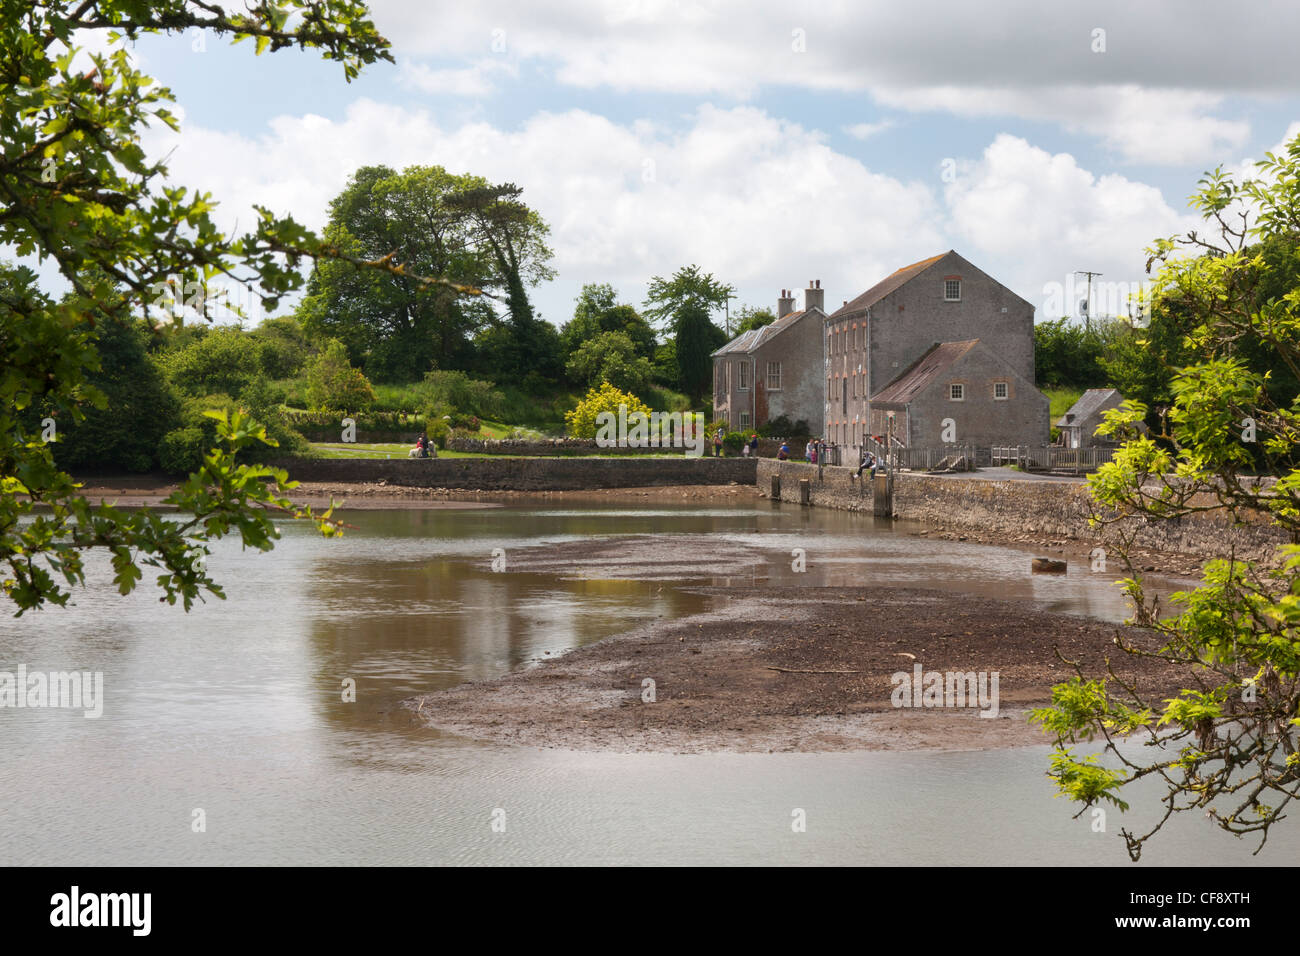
<point>776,487</point>
<point>805,491</point>
<point>882,497</point>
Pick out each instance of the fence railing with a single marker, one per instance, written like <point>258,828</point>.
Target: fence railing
<point>965,455</point>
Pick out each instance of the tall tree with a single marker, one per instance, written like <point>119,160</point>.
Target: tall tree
<point>598,311</point>
<point>393,325</point>
<point>684,304</point>
<point>514,238</point>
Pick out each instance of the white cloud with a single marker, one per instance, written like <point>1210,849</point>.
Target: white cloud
<point>760,202</point>
<point>1040,216</point>
<point>867,130</point>
<point>1160,126</point>
<point>1151,97</point>
<point>478,79</point>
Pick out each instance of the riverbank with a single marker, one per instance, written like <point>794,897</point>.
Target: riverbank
<point>780,668</point>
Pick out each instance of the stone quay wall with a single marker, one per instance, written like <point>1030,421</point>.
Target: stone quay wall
<point>525,474</point>
<point>1046,508</point>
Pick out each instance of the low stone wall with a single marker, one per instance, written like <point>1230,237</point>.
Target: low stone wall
<point>549,447</point>
<point>525,474</point>
<point>1047,508</point>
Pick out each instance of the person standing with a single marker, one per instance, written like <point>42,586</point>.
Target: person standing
<point>717,443</point>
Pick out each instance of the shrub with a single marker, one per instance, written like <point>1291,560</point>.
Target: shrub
<point>457,392</point>
<point>437,429</point>
<point>333,383</point>
<point>224,360</point>
<point>181,450</point>
<point>581,421</point>
<point>782,427</point>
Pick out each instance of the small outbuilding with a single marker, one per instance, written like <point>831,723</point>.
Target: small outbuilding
<point>1079,425</point>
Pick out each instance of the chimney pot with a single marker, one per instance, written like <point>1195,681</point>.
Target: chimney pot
<point>814,296</point>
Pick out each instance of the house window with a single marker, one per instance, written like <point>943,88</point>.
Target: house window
<point>844,394</point>
<point>773,376</point>
<point>952,290</point>
<point>1000,391</point>
<point>744,420</point>
<point>726,374</point>
<point>742,375</point>
<point>957,392</point>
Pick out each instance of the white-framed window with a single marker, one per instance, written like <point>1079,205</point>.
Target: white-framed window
<point>952,290</point>
<point>742,375</point>
<point>774,376</point>
<point>1001,391</point>
<point>957,392</point>
<point>744,420</point>
<point>726,375</point>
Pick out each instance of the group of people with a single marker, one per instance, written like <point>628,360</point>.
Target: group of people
<point>750,447</point>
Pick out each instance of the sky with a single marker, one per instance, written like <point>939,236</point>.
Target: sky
<point>770,143</point>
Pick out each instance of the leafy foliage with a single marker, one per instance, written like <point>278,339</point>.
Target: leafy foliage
<point>334,384</point>
<point>610,357</point>
<point>581,421</point>
<point>80,193</point>
<point>1226,744</point>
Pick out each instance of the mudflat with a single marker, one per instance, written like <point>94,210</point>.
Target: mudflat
<point>789,669</point>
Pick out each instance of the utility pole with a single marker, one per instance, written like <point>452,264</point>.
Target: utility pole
<point>1087,312</point>
<point>726,304</point>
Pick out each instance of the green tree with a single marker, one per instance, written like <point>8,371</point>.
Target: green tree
<point>514,239</point>
<point>334,384</point>
<point>1067,355</point>
<point>610,357</point>
<point>282,345</point>
<point>752,317</point>
<point>139,407</point>
<point>225,360</point>
<point>428,222</point>
<point>1225,746</point>
<point>684,304</point>
<point>598,310</point>
<point>80,193</point>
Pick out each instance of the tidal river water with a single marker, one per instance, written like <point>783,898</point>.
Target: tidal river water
<point>225,738</point>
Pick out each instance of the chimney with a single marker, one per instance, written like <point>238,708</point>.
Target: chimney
<point>784,304</point>
<point>814,295</point>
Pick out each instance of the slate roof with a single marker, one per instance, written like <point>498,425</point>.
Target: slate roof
<point>1088,404</point>
<point>748,341</point>
<point>922,372</point>
<point>889,284</point>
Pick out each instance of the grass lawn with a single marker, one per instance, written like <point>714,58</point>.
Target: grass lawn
<point>1062,399</point>
<point>335,449</point>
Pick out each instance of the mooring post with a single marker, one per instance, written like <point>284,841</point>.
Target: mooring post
<point>776,487</point>
<point>805,491</point>
<point>882,498</point>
